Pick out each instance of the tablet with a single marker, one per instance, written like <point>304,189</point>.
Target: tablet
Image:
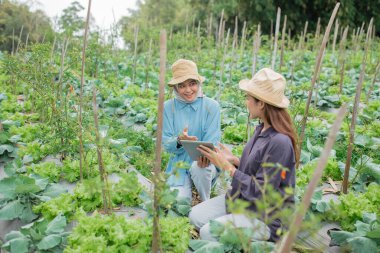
<point>191,148</point>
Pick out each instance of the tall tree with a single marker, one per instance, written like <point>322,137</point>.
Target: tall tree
<point>15,17</point>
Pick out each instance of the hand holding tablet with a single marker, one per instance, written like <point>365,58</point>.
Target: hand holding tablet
<point>191,148</point>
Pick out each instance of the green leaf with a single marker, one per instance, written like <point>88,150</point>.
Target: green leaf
<point>262,246</point>
<point>340,237</point>
<point>49,242</point>
<point>216,228</point>
<point>322,206</point>
<point>7,187</point>
<point>11,210</point>
<point>184,209</point>
<point>5,147</point>
<point>27,214</point>
<point>57,225</point>
<point>13,235</point>
<point>19,245</point>
<point>203,246</point>
<point>362,244</point>
<point>54,190</point>
<point>40,182</point>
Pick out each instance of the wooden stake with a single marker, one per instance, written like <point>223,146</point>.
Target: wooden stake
<point>13,41</point>
<point>317,67</point>
<point>282,43</point>
<point>286,244</point>
<point>354,114</point>
<point>81,90</point>
<point>276,38</point>
<point>148,65</point>
<point>342,54</point>
<point>304,35</point>
<point>136,34</point>
<point>271,35</point>
<point>335,35</point>
<point>102,173</point>
<point>26,40</point>
<point>156,242</point>
<point>256,46</point>
<point>243,32</point>
<point>19,39</point>
<point>373,81</point>
<point>220,27</point>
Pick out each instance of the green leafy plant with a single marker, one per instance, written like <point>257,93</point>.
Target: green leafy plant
<point>39,236</point>
<point>20,193</point>
<point>47,170</point>
<point>366,237</point>
<point>117,234</point>
<point>352,206</point>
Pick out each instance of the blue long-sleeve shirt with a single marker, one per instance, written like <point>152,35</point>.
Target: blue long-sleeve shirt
<point>202,117</point>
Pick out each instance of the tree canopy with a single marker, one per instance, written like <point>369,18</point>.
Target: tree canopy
<point>16,19</point>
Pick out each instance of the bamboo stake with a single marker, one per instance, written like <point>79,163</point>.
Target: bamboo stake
<point>354,113</point>
<point>358,39</point>
<point>289,39</point>
<point>256,46</point>
<point>136,34</point>
<point>304,34</point>
<point>377,69</point>
<point>156,242</point>
<point>335,35</point>
<point>276,37</point>
<point>282,43</point>
<point>342,53</point>
<point>103,175</point>
<point>317,67</point>
<point>225,46</point>
<point>209,31</point>
<point>26,40</point>
<point>81,90</point>
<point>235,40</point>
<point>318,30</point>
<point>271,36</point>
<point>287,242</point>
<point>147,65</point>
<point>243,36</point>
<point>19,39</point>
<point>13,41</point>
<point>220,27</point>
<point>234,47</point>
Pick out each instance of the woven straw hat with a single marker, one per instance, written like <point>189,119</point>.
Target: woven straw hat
<point>267,86</point>
<point>183,70</point>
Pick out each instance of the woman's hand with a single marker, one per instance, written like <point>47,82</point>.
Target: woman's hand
<point>217,158</point>
<point>203,162</point>
<point>185,135</point>
<point>228,155</point>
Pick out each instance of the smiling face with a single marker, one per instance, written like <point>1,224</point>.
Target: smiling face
<point>188,90</point>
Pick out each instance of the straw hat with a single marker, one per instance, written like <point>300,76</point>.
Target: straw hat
<point>184,69</point>
<point>267,86</point>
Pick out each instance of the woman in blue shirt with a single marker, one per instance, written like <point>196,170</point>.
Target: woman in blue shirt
<point>189,116</point>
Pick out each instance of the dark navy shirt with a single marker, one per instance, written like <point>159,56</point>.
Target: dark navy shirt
<point>267,147</point>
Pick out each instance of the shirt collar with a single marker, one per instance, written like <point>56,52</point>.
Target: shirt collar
<point>194,105</point>
<point>269,132</point>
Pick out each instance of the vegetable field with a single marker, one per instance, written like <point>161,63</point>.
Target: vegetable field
<point>78,131</point>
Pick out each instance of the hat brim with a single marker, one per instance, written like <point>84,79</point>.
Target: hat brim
<point>244,86</point>
<point>181,79</point>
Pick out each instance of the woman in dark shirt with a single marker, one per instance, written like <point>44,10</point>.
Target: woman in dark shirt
<point>274,142</point>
